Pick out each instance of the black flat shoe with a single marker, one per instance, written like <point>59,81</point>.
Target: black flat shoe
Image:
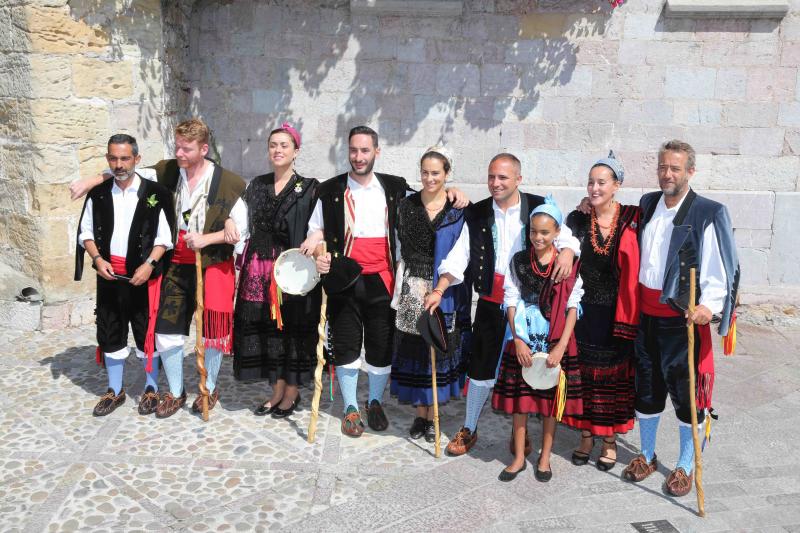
<point>505,475</point>
<point>418,428</point>
<point>283,413</point>
<point>376,418</point>
<point>264,409</point>
<point>542,475</point>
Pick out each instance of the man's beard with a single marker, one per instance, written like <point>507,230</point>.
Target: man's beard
<point>126,176</point>
<point>366,170</point>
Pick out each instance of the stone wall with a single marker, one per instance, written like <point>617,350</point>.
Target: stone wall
<point>71,73</point>
<point>558,82</point>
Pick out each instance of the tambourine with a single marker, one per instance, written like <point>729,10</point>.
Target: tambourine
<point>538,376</point>
<point>295,273</point>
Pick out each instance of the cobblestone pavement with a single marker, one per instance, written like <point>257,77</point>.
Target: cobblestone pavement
<point>62,469</point>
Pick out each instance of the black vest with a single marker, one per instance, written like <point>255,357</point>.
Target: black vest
<point>480,219</point>
<point>225,189</point>
<point>331,194</point>
<point>144,225</point>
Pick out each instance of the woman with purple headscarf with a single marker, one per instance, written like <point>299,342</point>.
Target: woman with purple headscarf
<point>276,334</point>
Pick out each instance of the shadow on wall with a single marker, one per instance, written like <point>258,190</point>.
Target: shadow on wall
<point>134,30</point>
<point>393,72</point>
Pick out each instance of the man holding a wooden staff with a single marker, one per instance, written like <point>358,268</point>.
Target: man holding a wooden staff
<point>680,230</point>
<point>206,197</point>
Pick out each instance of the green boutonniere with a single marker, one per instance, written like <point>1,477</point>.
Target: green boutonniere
<point>186,216</point>
<point>152,201</point>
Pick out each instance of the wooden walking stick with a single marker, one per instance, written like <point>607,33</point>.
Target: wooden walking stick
<point>698,459</point>
<point>437,447</point>
<point>199,347</point>
<point>312,424</point>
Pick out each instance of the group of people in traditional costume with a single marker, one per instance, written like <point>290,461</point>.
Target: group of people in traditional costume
<point>601,295</point>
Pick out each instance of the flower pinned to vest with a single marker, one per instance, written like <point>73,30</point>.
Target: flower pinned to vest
<point>298,186</point>
<point>152,201</point>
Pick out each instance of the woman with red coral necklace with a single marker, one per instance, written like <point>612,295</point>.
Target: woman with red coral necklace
<point>605,332</point>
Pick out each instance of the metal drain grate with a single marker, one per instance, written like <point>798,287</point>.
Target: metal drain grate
<point>655,526</point>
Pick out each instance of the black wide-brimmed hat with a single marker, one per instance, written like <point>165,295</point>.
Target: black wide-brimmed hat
<point>343,274</point>
<point>433,329</point>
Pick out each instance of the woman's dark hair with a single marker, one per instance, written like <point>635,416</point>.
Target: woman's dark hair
<point>282,130</point>
<point>436,155</point>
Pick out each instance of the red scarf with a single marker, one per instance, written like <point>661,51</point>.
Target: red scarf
<point>626,315</point>
<point>559,294</point>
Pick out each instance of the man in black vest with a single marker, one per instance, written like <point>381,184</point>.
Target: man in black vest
<point>680,230</point>
<point>357,216</point>
<point>205,196</point>
<point>496,228</point>
<point>125,228</point>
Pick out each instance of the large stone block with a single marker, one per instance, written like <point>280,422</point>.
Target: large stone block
<point>776,84</point>
<point>673,53</point>
<point>602,52</point>
<point>750,115</point>
<point>458,80</point>
<point>697,112</point>
<point>16,196</point>
<point>51,77</point>
<point>57,122</point>
<point>542,25</point>
<point>731,83</point>
<point>761,141</point>
<point>500,80</point>
<point>95,78</point>
<point>21,316</point>
<point>785,254</point>
<point>92,159</point>
<point>646,111</point>
<point>789,114</point>
<point>641,26</point>
<point>613,81</point>
<point>53,200</point>
<point>753,238</point>
<point>574,82</point>
<point>741,54</point>
<point>766,173</point>
<point>754,264</point>
<point>12,18</point>
<point>749,210</point>
<point>53,30</point>
<point>15,75</point>
<point>585,136</point>
<point>56,316</point>
<point>690,82</point>
<point>43,163</point>
<point>16,121</point>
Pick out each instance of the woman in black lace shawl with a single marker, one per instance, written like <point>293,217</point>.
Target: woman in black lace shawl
<point>276,340</point>
<point>428,228</point>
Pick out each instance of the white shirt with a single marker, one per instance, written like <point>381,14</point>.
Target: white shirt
<point>510,231</point>
<point>125,202</point>
<point>511,293</point>
<point>655,247</point>
<point>370,202</point>
<point>238,213</point>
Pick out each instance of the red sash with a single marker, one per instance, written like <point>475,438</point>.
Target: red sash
<point>705,367</point>
<point>118,264</point>
<point>496,297</point>
<point>373,255</point>
<point>182,255</point>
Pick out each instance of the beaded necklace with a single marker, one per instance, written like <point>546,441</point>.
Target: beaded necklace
<point>535,264</point>
<point>594,230</point>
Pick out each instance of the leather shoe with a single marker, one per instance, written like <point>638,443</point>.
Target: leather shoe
<point>197,405</point>
<point>283,413</point>
<point>108,402</point>
<point>638,469</point>
<point>170,404</point>
<point>148,403</point>
<point>430,432</point>
<point>462,442</point>
<point>376,418</point>
<point>505,475</point>
<point>679,483</point>
<point>418,428</point>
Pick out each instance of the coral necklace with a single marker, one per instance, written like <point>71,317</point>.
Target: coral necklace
<point>548,269</point>
<point>594,230</point>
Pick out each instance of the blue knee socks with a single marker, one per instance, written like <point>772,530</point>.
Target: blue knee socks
<point>173,366</point>
<point>114,367</point>
<point>476,397</point>
<point>348,384</point>
<point>648,430</point>
<point>377,384</point>
<point>686,457</point>
<point>213,362</point>
<point>152,376</point>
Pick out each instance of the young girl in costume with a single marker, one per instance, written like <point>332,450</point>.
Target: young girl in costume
<point>541,317</point>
